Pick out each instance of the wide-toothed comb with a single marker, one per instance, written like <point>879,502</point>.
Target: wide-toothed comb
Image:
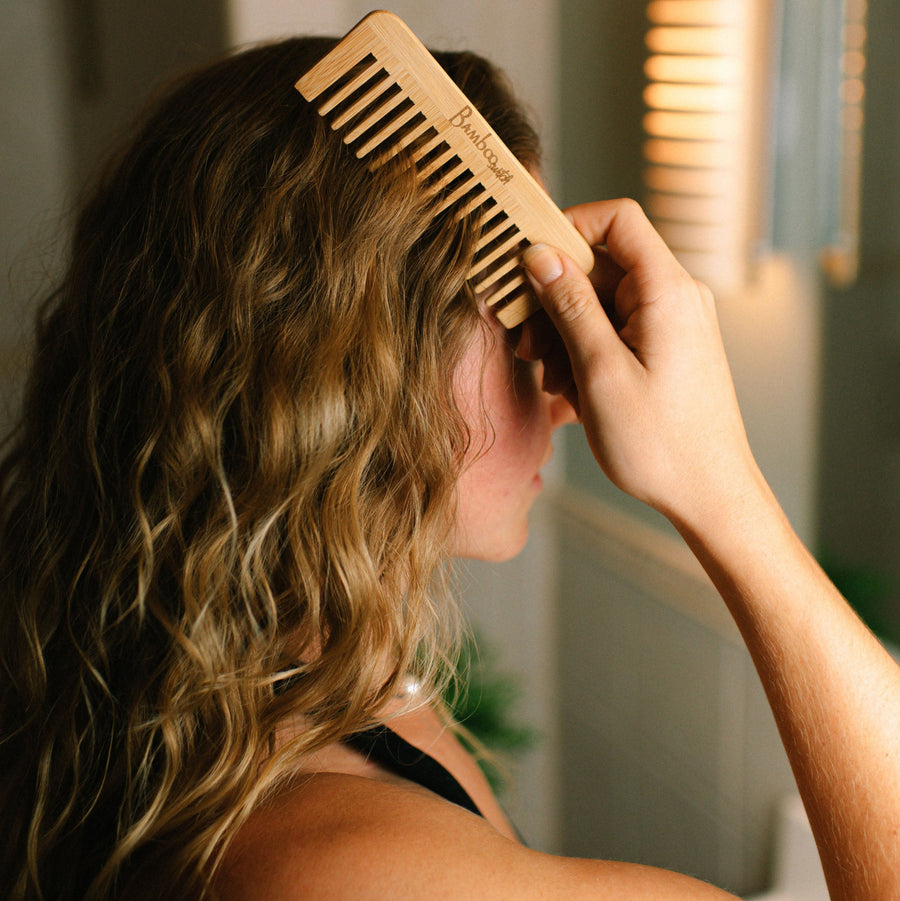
<point>384,92</point>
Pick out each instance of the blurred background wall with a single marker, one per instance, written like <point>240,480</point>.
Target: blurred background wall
<point>656,744</point>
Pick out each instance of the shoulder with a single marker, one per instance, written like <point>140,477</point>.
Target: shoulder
<point>343,836</point>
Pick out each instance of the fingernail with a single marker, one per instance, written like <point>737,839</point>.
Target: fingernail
<point>543,263</point>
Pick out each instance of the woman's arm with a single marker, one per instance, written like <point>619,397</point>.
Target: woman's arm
<point>641,358</point>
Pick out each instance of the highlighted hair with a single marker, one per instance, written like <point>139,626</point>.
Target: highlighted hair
<point>236,461</point>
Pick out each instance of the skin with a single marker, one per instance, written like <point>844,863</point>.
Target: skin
<point>512,421</point>
<point>636,350</point>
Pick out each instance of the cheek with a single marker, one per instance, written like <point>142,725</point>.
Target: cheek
<point>500,479</point>
<point>526,388</point>
<point>506,410</point>
<point>523,412</point>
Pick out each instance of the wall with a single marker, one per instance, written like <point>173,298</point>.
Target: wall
<point>119,52</point>
<point>860,439</point>
<point>34,172</point>
<point>670,755</point>
<point>73,74</point>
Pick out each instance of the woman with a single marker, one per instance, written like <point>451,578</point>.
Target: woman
<point>265,409</point>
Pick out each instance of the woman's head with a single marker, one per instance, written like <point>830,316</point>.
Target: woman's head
<point>239,451</point>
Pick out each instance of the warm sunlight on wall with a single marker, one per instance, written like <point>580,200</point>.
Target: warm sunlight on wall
<point>708,70</point>
<point>710,97</point>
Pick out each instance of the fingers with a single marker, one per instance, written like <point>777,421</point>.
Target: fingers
<point>623,229</point>
<point>541,341</point>
<point>572,305</point>
<point>606,274</point>
<point>597,323</point>
<point>634,265</point>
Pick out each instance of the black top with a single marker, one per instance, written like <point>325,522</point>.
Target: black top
<point>392,752</point>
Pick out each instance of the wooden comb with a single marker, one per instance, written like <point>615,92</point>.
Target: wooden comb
<point>384,93</point>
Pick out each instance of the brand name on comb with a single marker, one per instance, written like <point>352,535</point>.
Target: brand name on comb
<point>469,129</point>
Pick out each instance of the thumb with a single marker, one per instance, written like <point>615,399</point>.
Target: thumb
<point>570,300</point>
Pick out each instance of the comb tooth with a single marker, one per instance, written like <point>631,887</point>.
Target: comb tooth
<point>412,135</point>
<point>436,163</point>
<point>371,98</point>
<point>457,193</point>
<point>351,86</point>
<point>379,111</point>
<point>490,236</point>
<point>500,250</point>
<point>518,309</point>
<point>408,138</point>
<point>496,274</point>
<point>450,174</point>
<point>426,148</point>
<point>505,290</point>
<point>476,200</point>
<point>487,213</point>
<point>382,134</point>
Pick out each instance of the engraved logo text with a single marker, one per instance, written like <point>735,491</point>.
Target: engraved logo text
<point>460,120</point>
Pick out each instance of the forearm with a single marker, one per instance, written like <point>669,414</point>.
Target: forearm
<point>834,691</point>
<point>654,391</point>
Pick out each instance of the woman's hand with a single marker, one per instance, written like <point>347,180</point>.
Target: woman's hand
<point>636,348</point>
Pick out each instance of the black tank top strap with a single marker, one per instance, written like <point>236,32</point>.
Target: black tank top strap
<point>384,746</point>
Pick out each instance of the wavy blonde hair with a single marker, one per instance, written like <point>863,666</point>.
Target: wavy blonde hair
<point>236,462</point>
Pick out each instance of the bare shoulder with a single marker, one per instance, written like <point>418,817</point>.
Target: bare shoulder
<point>344,836</point>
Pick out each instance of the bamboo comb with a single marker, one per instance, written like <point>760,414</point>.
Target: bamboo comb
<point>384,92</point>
